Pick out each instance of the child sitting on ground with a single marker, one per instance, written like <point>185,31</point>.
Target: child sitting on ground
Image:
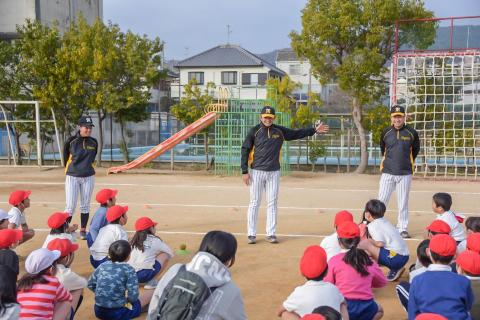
<point>113,231</point>
<point>40,294</point>
<point>58,222</point>
<point>441,205</point>
<point>9,307</point>
<point>69,279</point>
<point>330,243</point>
<point>424,260</point>
<point>355,274</point>
<point>115,286</point>
<point>9,239</point>
<point>20,201</point>
<point>107,198</point>
<point>472,224</point>
<point>149,253</point>
<point>315,292</point>
<point>468,264</point>
<point>439,290</point>
<point>386,246</point>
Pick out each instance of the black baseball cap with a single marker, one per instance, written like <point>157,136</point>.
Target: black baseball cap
<point>268,112</point>
<point>397,111</point>
<point>86,121</point>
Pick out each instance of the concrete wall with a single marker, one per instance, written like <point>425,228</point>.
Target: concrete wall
<point>13,12</point>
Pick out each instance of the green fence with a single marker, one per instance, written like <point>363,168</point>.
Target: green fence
<point>232,128</point>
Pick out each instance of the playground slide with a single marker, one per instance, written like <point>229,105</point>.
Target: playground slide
<point>168,144</point>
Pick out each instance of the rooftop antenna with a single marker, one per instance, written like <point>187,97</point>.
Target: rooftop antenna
<point>229,32</point>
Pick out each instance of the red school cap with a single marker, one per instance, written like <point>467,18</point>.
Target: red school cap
<point>348,230</point>
<point>18,196</point>
<point>443,245</point>
<point>105,194</point>
<point>342,216</point>
<point>313,262</point>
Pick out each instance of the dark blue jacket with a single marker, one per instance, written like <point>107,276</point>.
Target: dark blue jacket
<point>442,292</point>
<point>399,149</point>
<point>79,154</point>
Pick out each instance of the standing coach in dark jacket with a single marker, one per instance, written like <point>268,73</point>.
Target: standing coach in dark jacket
<point>400,145</point>
<point>261,152</point>
<point>79,154</point>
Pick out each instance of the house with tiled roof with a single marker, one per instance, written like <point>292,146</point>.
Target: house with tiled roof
<point>231,66</point>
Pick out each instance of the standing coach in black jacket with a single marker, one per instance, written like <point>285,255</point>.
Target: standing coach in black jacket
<point>79,154</point>
<point>400,145</point>
<point>261,152</point>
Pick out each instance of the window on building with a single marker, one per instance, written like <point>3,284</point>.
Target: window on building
<point>254,79</point>
<point>229,77</point>
<point>295,69</point>
<point>198,76</point>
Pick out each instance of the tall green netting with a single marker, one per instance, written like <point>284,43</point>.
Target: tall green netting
<point>232,128</point>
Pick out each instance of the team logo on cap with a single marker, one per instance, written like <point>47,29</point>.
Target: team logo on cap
<point>267,110</point>
<point>397,109</point>
<point>88,120</point>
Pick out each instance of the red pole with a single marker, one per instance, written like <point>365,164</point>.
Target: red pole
<point>451,34</point>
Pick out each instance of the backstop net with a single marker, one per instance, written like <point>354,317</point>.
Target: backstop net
<point>439,87</point>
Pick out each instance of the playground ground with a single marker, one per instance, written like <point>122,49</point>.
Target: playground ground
<point>186,205</point>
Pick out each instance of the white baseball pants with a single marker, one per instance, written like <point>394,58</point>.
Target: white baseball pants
<point>388,183</point>
<point>75,186</point>
<point>260,181</point>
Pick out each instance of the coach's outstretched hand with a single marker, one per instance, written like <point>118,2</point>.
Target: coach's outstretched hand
<point>246,178</point>
<point>321,128</point>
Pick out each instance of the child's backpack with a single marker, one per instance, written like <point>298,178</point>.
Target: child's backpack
<point>183,297</point>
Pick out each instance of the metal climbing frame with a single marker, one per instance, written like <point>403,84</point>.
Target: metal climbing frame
<point>232,128</point>
<point>440,89</point>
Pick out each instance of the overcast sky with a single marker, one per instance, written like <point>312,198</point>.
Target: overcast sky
<point>192,26</point>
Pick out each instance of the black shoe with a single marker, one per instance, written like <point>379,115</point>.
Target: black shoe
<point>83,235</point>
<point>252,240</point>
<point>272,239</point>
<point>405,235</point>
<point>394,275</point>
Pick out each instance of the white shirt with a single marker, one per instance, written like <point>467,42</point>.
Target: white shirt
<point>12,311</point>
<point>304,299</point>
<point>331,245</point>
<point>70,280</point>
<point>51,237</point>
<point>152,246</point>
<point>458,232</point>
<point>416,272</point>
<point>106,236</point>
<point>462,246</point>
<point>439,267</point>
<point>16,216</point>
<point>382,230</point>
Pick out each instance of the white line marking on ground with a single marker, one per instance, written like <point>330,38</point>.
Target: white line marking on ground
<point>230,206</point>
<point>184,186</point>
<point>195,233</point>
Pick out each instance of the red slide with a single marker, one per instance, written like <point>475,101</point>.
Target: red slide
<point>168,144</point>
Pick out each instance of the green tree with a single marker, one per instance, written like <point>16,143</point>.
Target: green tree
<point>350,41</point>
<point>304,117</point>
<point>192,107</point>
<point>375,120</point>
<point>317,150</point>
<point>281,92</point>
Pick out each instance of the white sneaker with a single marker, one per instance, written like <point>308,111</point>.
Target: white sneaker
<point>150,285</point>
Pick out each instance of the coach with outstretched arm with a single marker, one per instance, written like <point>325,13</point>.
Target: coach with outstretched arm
<point>261,151</point>
<point>400,145</point>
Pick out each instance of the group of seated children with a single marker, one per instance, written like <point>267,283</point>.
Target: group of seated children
<point>340,273</point>
<point>444,282</point>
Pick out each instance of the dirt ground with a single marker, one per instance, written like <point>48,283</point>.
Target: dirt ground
<point>186,205</point>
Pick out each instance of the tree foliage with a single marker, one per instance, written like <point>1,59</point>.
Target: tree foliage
<point>350,42</point>
<point>376,119</point>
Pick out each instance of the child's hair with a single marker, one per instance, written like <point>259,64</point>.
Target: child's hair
<point>62,229</point>
<point>376,208</point>
<point>27,281</point>
<point>119,251</point>
<point>328,312</point>
<point>139,238</point>
<point>443,200</point>
<point>473,223</point>
<point>320,277</point>
<point>422,253</point>
<point>117,221</point>
<point>8,288</point>
<point>441,259</point>
<point>222,245</point>
<point>357,258</point>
